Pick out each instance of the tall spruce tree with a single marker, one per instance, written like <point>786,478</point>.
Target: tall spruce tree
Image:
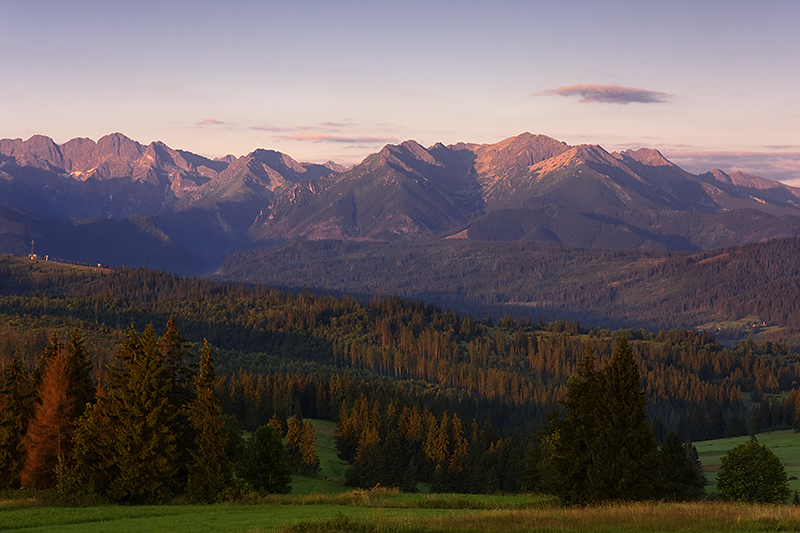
<point>145,444</point>
<point>17,398</point>
<point>209,471</point>
<point>604,449</point>
<point>309,462</point>
<point>65,389</point>
<point>44,357</point>
<point>301,447</point>
<point>294,455</point>
<point>126,446</point>
<point>80,385</point>
<point>626,451</point>
<point>568,447</point>
<point>180,373</point>
<point>679,477</point>
<point>175,357</point>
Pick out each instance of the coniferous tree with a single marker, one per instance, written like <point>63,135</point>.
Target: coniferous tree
<point>179,371</point>
<point>294,455</point>
<point>276,424</point>
<point>301,447</point>
<point>679,478</point>
<point>126,446</point>
<point>44,357</point>
<point>567,454</point>
<point>460,446</point>
<point>65,388</point>
<point>626,452</point>
<point>209,471</point>
<point>309,463</point>
<point>437,442</point>
<point>80,386</point>
<point>17,398</point>
<point>92,466</point>
<point>48,441</point>
<point>264,463</point>
<point>180,374</point>
<point>145,443</point>
<point>604,449</point>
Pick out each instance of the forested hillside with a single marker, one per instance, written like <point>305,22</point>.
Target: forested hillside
<point>511,371</point>
<point>734,292</point>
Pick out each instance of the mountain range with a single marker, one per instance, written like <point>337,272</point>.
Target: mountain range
<point>117,201</point>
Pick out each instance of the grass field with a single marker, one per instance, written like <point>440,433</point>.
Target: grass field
<point>785,444</point>
<point>368,512</point>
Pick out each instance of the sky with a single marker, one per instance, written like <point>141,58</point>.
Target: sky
<point>708,83</point>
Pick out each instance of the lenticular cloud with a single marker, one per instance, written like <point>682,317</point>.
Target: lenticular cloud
<point>608,94</point>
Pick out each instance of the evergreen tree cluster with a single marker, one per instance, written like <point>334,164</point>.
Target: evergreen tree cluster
<point>604,449</point>
<point>301,447</point>
<point>156,429</point>
<point>39,412</point>
<point>149,429</point>
<point>392,443</point>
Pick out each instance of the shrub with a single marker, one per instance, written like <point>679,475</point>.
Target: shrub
<point>752,473</point>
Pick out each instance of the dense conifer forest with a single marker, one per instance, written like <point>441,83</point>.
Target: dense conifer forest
<point>743,291</point>
<point>464,401</point>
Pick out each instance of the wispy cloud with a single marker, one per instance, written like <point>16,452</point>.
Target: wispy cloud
<point>327,137</point>
<point>341,132</point>
<point>280,129</point>
<point>330,132</point>
<point>607,94</point>
<point>210,122</point>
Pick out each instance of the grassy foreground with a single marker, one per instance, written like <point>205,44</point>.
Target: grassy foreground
<point>366,512</point>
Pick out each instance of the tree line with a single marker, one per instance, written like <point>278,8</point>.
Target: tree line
<point>694,384</point>
<point>145,428</point>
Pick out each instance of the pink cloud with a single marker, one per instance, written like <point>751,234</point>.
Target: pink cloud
<point>281,129</point>
<point>327,137</point>
<point>608,94</point>
<point>210,122</point>
<point>327,132</point>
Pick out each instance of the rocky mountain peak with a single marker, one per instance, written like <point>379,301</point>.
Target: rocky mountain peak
<point>528,187</point>
<point>38,151</point>
<point>743,179</point>
<point>647,156</point>
<point>118,145</point>
<point>513,157</point>
<point>76,153</point>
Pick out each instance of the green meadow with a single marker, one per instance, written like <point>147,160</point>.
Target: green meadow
<point>785,444</point>
<point>389,512</point>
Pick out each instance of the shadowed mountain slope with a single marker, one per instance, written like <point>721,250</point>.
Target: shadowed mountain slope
<point>528,188</point>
